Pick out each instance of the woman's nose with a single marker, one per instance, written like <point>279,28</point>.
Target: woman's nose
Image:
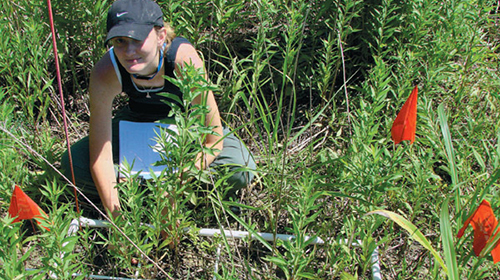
<point>130,47</point>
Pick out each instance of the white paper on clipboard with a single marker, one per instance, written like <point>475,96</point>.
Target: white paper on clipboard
<point>138,146</point>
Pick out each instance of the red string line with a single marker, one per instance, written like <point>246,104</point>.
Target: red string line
<point>59,84</point>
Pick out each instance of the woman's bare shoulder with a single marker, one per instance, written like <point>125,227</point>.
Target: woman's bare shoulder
<point>103,76</point>
<point>187,54</point>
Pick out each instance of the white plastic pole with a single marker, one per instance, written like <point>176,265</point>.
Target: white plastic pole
<point>235,234</point>
<point>209,232</point>
<point>90,276</point>
<point>217,258</point>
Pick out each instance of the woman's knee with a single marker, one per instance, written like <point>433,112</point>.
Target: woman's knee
<point>239,180</point>
<point>65,163</point>
<point>79,160</point>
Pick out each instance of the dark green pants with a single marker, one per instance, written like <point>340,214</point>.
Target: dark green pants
<point>234,156</point>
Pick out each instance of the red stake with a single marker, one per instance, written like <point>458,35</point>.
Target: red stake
<point>59,84</point>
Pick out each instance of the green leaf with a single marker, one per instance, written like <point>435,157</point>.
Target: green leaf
<point>450,153</point>
<point>414,232</point>
<point>171,96</point>
<point>448,245</point>
<point>278,261</point>
<point>347,276</point>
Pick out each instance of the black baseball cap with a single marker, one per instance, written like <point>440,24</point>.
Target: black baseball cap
<point>133,19</point>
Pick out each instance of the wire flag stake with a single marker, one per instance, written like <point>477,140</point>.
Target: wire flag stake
<point>63,111</point>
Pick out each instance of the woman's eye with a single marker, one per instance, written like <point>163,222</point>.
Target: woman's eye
<point>117,41</point>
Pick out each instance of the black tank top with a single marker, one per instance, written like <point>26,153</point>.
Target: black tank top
<point>148,101</point>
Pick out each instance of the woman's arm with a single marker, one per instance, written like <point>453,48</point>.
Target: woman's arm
<point>104,86</point>
<point>188,55</point>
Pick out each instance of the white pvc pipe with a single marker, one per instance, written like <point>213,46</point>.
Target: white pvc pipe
<point>376,275</point>
<point>217,258</point>
<point>90,276</point>
<point>209,232</point>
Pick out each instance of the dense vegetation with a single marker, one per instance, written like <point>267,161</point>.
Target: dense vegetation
<point>312,87</point>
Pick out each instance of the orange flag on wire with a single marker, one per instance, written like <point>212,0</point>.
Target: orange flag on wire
<point>23,207</point>
<point>483,222</point>
<point>404,126</point>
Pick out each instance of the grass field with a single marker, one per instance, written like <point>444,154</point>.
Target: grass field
<point>312,88</point>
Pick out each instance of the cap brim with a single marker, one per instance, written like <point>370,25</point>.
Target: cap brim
<point>130,30</point>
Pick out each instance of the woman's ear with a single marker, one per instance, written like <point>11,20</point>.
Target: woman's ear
<point>161,32</point>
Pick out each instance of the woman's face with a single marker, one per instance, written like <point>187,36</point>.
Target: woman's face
<point>139,57</point>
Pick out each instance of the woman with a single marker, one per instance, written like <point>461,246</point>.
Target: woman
<point>143,51</point>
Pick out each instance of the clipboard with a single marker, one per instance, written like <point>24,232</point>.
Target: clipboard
<point>139,149</point>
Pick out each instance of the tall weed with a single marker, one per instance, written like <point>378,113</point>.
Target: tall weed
<point>313,87</point>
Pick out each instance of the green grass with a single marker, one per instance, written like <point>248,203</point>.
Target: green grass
<point>312,88</point>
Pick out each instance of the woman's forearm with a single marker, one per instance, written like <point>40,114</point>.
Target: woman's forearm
<point>102,166</point>
<point>212,141</point>
<point>203,160</point>
<point>104,177</point>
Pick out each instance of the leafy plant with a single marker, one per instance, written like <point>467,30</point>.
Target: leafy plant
<point>11,248</point>
<point>312,88</point>
<point>295,261</point>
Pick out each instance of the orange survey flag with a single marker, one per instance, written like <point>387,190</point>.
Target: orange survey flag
<point>483,222</point>
<point>23,207</point>
<point>404,126</point>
